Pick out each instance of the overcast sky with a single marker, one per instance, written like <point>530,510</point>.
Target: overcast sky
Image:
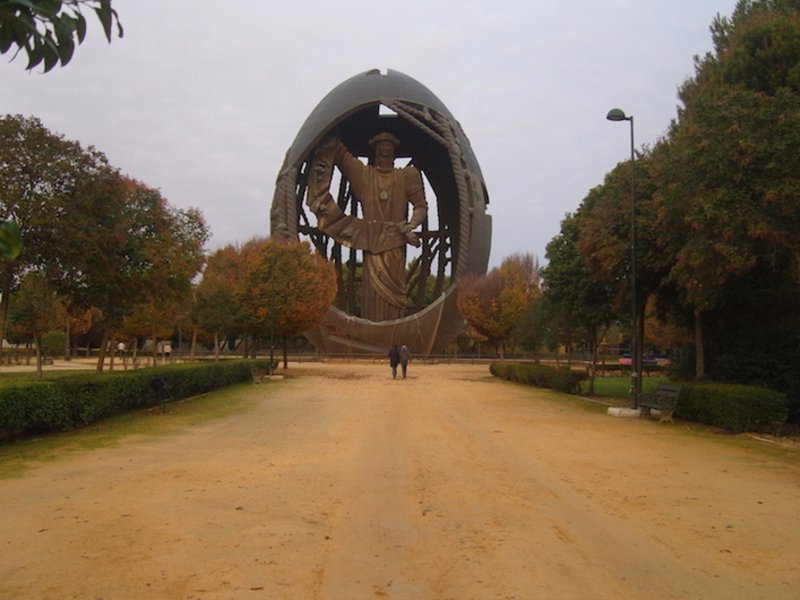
<point>202,98</point>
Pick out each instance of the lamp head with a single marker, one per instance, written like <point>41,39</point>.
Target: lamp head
<point>617,114</point>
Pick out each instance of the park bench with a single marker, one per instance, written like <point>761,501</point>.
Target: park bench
<point>664,399</point>
<point>162,392</point>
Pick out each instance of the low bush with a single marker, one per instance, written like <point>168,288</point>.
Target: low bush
<point>736,408</point>
<point>54,342</point>
<point>30,407</point>
<point>613,369</point>
<point>561,379</point>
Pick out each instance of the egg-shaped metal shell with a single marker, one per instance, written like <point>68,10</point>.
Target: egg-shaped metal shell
<point>455,242</point>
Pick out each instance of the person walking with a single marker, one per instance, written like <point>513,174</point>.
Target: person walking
<point>405,358</point>
<point>394,359</point>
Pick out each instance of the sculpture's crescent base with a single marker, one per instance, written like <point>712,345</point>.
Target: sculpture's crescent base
<point>426,332</point>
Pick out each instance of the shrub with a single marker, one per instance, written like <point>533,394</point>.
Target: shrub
<point>736,408</point>
<point>31,407</point>
<point>501,370</point>
<point>53,343</point>
<point>561,379</point>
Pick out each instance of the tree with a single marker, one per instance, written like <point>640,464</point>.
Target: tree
<point>138,250</point>
<point>37,309</point>
<point>116,243</point>
<point>78,322</point>
<point>216,307</point>
<point>213,311</point>
<point>47,30</point>
<point>150,319</point>
<point>41,174</point>
<point>287,288</point>
<point>101,239</point>
<point>493,304</point>
<point>264,288</point>
<point>175,253</point>
<point>532,328</point>
<point>729,181</point>
<point>575,301</point>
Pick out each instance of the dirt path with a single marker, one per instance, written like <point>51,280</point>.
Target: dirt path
<point>346,485</point>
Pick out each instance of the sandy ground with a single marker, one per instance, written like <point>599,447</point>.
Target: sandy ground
<point>343,484</point>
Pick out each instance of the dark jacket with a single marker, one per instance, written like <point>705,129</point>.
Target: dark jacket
<point>394,356</point>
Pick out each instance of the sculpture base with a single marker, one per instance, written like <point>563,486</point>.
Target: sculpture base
<point>426,332</point>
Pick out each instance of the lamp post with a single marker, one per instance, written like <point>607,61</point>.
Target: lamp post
<point>616,114</point>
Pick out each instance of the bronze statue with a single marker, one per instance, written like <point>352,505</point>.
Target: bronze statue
<point>384,193</point>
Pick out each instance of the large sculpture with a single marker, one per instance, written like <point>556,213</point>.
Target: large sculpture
<point>398,256</point>
<point>383,193</point>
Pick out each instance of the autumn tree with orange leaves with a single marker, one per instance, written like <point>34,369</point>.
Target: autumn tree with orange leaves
<point>493,304</point>
<point>264,288</point>
<point>287,290</point>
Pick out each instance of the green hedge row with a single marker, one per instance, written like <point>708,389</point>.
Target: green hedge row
<point>736,408</point>
<point>561,379</point>
<point>614,368</point>
<point>33,407</point>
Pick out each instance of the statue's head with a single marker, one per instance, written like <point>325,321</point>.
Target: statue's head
<point>384,147</point>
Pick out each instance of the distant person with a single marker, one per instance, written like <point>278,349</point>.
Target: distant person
<point>394,359</point>
<point>405,358</point>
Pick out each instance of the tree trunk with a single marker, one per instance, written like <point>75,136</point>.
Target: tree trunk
<point>285,353</point>
<point>700,356</point>
<point>593,366</point>
<point>101,356</point>
<point>216,346</point>
<point>66,343</point>
<point>155,348</point>
<point>5,299</point>
<point>193,348</point>
<point>38,345</point>
<point>112,354</point>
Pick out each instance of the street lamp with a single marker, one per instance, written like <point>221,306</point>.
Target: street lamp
<point>616,114</point>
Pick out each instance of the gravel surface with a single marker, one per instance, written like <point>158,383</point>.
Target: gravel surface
<point>341,483</point>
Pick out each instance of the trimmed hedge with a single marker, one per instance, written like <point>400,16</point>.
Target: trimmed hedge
<point>613,369</point>
<point>66,403</point>
<point>736,408</point>
<point>561,379</point>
